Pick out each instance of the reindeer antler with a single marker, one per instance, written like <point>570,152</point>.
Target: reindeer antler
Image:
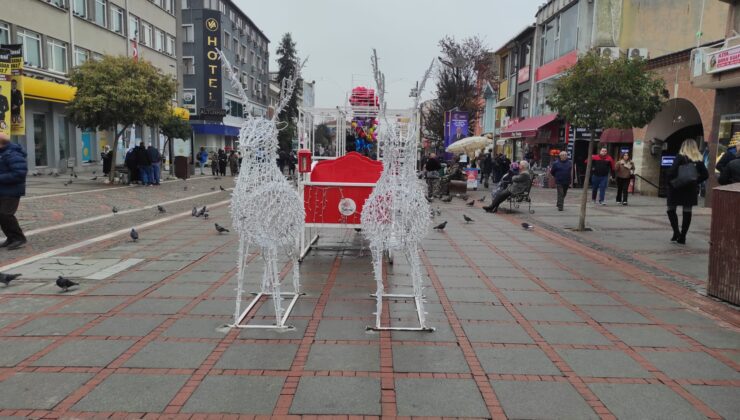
<point>422,83</point>
<point>379,82</point>
<point>234,79</point>
<point>287,88</point>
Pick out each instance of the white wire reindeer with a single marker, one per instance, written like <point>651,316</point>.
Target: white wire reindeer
<point>265,209</point>
<point>396,216</point>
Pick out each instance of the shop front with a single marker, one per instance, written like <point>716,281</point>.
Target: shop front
<point>532,139</point>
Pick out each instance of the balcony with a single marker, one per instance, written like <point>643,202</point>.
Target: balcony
<point>716,66</point>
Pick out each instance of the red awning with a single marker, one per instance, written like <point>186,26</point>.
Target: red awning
<point>528,127</point>
<point>615,135</point>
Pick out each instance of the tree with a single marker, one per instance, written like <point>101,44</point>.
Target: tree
<point>174,127</point>
<point>456,83</point>
<point>287,66</point>
<point>118,92</point>
<point>600,93</point>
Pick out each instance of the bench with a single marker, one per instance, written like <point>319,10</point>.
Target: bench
<point>516,200</point>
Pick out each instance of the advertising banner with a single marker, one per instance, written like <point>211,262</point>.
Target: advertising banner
<point>213,107</point>
<point>723,60</point>
<point>5,78</point>
<point>471,175</point>
<point>456,127</point>
<point>17,107</point>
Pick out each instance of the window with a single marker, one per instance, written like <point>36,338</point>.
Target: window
<point>79,7</point>
<point>188,64</point>
<point>524,55</point>
<point>549,41</point>
<point>185,4</point>
<point>56,55</point>
<point>133,27</point>
<point>81,55</point>
<point>523,104</point>
<point>170,45</point>
<point>58,3</point>
<point>222,7</point>
<point>169,6</point>
<point>235,108</point>
<point>4,33</point>
<point>100,12</point>
<point>568,30</point>
<point>116,19</point>
<point>31,47</point>
<point>235,45</point>
<point>158,40</point>
<point>146,34</point>
<point>188,33</point>
<point>227,40</point>
<point>97,56</point>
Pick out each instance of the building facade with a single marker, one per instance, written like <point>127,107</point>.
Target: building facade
<point>216,109</point>
<point>57,35</point>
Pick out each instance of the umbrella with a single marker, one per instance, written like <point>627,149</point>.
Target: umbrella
<point>469,145</point>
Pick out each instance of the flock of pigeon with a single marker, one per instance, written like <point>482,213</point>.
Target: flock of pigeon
<point>440,227</point>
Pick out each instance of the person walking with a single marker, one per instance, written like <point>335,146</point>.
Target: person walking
<point>625,169</point>
<point>13,170</point>
<point>214,163</point>
<point>728,156</point>
<point>202,159</point>
<point>562,171</point>
<point>233,163</point>
<point>222,161</point>
<point>144,164</point>
<point>431,172</point>
<point>486,169</point>
<point>684,177</point>
<point>156,158</point>
<point>292,162</point>
<point>107,157</point>
<point>519,184</point>
<point>602,166</point>
<point>730,174</point>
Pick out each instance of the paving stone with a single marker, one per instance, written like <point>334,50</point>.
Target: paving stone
<point>91,305</point>
<point>214,307</point>
<point>649,300</point>
<point>442,331</point>
<point>120,289</point>
<point>516,296</point>
<point>639,401</point>
<point>622,286</point>
<point>85,353</point>
<point>122,326</point>
<point>180,290</point>
<point>39,390</point>
<point>337,395</point>
<point>616,314</point>
<point>496,333</point>
<point>132,393</point>
<point>602,363</point>
<point>419,358</point>
<point>197,328</point>
<point>159,354</point>
<point>15,351</point>
<point>272,334</point>
<point>588,298</point>
<point>361,358</point>
<point>26,305</point>
<point>198,277</point>
<point>548,313</point>
<point>552,400</point>
<point>332,329</point>
<point>481,312</point>
<point>346,308</point>
<point>471,295</point>
<point>516,361</point>
<point>571,334</point>
<point>514,283</point>
<point>714,337</point>
<point>51,325</point>
<point>722,399</point>
<point>143,276</point>
<point>561,285</point>
<point>226,394</point>
<point>156,306</point>
<point>646,336</point>
<point>690,365</point>
<point>6,320</point>
<point>439,397</point>
<point>168,266</point>
<point>682,317</point>
<point>258,356</point>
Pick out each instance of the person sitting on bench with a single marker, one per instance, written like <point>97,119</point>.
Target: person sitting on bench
<point>505,181</point>
<point>519,184</point>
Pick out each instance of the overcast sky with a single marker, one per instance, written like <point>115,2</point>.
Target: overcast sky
<point>338,36</point>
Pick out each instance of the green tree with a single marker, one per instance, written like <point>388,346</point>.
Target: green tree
<point>287,66</point>
<point>117,92</point>
<point>174,127</point>
<point>600,93</point>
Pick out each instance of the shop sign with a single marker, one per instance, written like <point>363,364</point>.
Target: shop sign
<point>189,100</point>
<point>213,109</point>
<point>723,60</point>
<point>523,75</point>
<point>17,102</point>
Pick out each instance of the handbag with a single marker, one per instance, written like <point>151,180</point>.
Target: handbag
<point>687,175</point>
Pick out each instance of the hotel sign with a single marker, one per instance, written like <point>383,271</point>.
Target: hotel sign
<point>723,60</point>
<point>213,108</point>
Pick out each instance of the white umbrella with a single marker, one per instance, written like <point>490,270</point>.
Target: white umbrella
<point>469,145</point>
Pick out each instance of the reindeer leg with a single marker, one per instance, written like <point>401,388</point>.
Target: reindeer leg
<point>412,255</point>
<point>242,262</point>
<point>276,297</point>
<point>379,291</point>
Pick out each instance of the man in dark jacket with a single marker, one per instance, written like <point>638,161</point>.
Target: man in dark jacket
<point>519,184</point>
<point>730,174</point>
<point>4,107</point>
<point>156,158</point>
<point>561,170</point>
<point>602,165</point>
<point>13,170</point>
<point>431,172</point>
<point>143,163</point>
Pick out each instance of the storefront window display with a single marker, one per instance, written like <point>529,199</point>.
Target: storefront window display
<point>729,130</point>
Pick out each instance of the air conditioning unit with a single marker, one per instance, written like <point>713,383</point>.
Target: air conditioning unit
<point>609,52</point>
<point>638,52</point>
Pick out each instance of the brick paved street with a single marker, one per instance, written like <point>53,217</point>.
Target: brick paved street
<point>529,324</point>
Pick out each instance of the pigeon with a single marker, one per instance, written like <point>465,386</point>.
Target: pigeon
<point>134,234</point>
<point>447,199</point>
<point>467,219</point>
<point>194,213</point>
<point>222,188</point>
<point>65,284</point>
<point>201,212</point>
<point>470,203</point>
<point>220,229</point>
<point>114,209</point>
<point>74,174</point>
<point>7,278</point>
<point>67,183</point>
<point>438,211</point>
<point>213,188</point>
<point>161,209</point>
<point>483,199</point>
<point>441,226</point>
<point>185,188</point>
<point>94,172</point>
<point>205,216</point>
<point>94,178</point>
<point>527,226</point>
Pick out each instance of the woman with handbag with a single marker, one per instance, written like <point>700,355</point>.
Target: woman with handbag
<point>684,177</point>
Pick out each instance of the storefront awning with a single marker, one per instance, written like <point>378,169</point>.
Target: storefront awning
<point>615,135</point>
<point>505,103</point>
<point>47,91</point>
<point>528,127</point>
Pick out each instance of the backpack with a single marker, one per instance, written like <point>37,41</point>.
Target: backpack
<point>687,175</point>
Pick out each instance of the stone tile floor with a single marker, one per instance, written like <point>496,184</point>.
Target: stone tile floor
<point>530,324</point>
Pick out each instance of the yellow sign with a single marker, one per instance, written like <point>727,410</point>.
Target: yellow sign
<point>17,102</point>
<point>212,24</point>
<point>5,91</point>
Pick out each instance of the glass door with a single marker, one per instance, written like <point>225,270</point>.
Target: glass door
<point>40,139</point>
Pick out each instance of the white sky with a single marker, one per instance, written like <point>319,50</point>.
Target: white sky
<point>337,36</point>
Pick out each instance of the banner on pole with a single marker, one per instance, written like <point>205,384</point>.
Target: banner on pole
<point>5,77</point>
<point>17,98</point>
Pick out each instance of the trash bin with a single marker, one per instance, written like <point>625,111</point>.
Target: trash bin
<point>181,167</point>
<point>724,248</point>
